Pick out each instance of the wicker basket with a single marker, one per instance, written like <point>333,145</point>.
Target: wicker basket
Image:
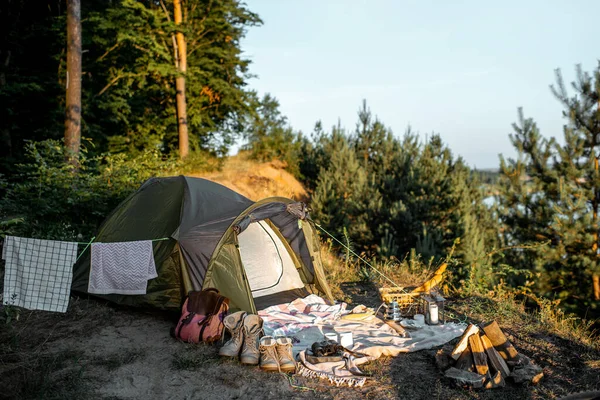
<point>408,303</point>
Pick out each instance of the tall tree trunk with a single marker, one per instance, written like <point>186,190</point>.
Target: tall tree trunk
<point>181,53</point>
<point>595,277</point>
<point>595,281</point>
<point>73,103</point>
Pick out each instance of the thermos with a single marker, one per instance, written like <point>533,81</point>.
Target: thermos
<point>393,311</point>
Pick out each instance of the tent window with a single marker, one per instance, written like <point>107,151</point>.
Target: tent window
<point>269,267</point>
<point>280,260</point>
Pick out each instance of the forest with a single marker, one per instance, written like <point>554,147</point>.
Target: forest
<point>164,90</point>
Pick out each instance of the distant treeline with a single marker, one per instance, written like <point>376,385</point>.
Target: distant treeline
<point>487,176</point>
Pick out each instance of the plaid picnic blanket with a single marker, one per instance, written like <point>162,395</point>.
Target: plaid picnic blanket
<point>289,319</point>
<point>307,320</point>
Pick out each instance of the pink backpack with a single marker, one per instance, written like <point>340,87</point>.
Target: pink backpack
<point>202,317</point>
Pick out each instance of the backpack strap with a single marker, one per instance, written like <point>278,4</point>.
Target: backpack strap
<point>206,320</point>
<point>186,321</point>
<point>204,324</point>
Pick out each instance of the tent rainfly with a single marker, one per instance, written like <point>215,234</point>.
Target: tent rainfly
<point>256,253</point>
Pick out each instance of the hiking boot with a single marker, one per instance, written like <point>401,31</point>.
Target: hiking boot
<point>268,354</point>
<point>252,329</point>
<point>234,323</point>
<point>285,357</point>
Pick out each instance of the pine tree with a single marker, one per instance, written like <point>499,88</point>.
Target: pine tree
<point>140,67</point>
<point>395,196</point>
<point>432,199</point>
<point>375,147</point>
<point>525,213</point>
<point>550,194</point>
<point>580,188</point>
<point>180,53</point>
<point>345,198</point>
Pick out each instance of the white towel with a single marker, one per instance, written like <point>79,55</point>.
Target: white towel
<point>38,273</point>
<point>121,268</point>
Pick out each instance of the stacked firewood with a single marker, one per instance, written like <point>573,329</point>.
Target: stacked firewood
<point>484,358</point>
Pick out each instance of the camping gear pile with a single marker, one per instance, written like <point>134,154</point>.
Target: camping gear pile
<point>410,308</point>
<point>311,320</point>
<point>484,358</point>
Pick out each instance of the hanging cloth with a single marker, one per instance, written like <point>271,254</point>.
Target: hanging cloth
<point>38,273</point>
<point>121,268</point>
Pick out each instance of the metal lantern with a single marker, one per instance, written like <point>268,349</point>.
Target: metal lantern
<point>433,306</point>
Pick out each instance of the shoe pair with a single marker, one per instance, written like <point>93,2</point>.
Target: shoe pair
<point>245,332</point>
<point>276,354</point>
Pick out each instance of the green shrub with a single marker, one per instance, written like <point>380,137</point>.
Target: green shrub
<point>56,201</point>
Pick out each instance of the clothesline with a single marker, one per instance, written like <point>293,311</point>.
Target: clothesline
<point>92,239</point>
<point>152,240</point>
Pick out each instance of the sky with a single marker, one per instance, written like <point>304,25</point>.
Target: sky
<point>460,69</point>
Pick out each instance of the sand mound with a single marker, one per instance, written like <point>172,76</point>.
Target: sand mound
<point>257,180</point>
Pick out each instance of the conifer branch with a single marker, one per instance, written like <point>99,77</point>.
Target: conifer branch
<point>109,51</point>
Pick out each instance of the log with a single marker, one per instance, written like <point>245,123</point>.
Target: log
<point>494,358</point>
<point>463,342</point>
<point>500,342</point>
<point>520,362</point>
<point>465,361</point>
<point>479,357</point>
<point>465,377</point>
<point>529,373</point>
<point>496,381</point>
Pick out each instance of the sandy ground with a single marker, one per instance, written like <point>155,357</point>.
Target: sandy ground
<point>99,351</point>
<point>155,366</point>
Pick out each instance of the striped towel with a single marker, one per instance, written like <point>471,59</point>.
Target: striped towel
<point>121,268</point>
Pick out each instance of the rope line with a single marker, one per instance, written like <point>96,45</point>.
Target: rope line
<point>152,240</point>
<point>359,257</point>
<point>92,239</point>
<point>83,251</point>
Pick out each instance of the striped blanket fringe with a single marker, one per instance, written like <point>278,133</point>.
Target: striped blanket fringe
<point>352,381</point>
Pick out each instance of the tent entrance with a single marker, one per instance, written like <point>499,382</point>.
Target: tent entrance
<point>269,267</point>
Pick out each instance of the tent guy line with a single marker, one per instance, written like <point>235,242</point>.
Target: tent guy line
<point>359,257</point>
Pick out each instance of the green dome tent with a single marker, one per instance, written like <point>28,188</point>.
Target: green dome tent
<point>256,253</point>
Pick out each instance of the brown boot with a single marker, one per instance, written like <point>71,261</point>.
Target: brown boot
<point>252,329</point>
<point>285,356</point>
<point>268,354</point>
<point>233,323</point>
